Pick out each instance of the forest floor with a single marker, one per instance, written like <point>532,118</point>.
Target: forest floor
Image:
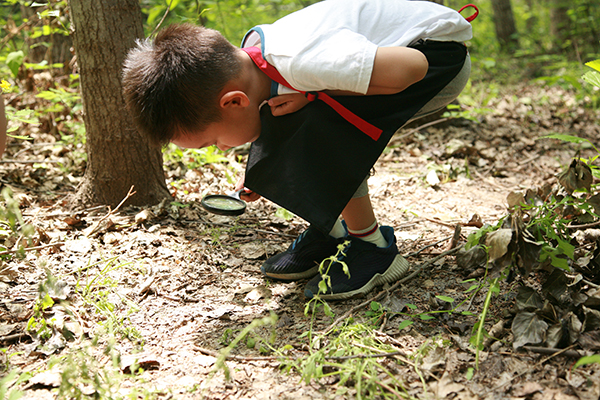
<point>172,286</point>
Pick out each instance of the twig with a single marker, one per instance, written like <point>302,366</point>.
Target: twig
<point>13,337</point>
<point>590,283</point>
<point>437,221</point>
<point>33,19</point>
<point>162,19</point>
<point>591,224</point>
<point>417,129</point>
<point>536,365</point>
<point>2,253</point>
<point>205,222</point>
<point>92,229</point>
<point>552,351</point>
<point>231,357</point>
<point>401,356</point>
<point>364,356</point>
<point>428,246</point>
<point>62,213</point>
<point>30,161</point>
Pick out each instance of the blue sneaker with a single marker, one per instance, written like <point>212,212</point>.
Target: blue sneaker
<point>368,266</point>
<point>301,260</point>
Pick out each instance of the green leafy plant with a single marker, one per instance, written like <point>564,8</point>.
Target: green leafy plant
<point>538,236</point>
<point>12,225</point>
<point>98,292</point>
<point>9,382</point>
<point>593,77</point>
<point>193,158</point>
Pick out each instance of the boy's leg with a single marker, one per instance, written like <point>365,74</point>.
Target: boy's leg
<point>361,222</point>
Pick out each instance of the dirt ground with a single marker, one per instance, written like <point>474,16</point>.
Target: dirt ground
<point>183,282</point>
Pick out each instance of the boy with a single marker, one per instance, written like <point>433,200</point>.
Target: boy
<point>383,62</point>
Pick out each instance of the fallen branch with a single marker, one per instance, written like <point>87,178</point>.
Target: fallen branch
<point>26,249</point>
<point>92,229</point>
<point>552,351</point>
<point>217,354</point>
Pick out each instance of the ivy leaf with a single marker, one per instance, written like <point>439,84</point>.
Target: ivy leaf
<point>577,176</point>
<point>592,319</point>
<point>527,327</point>
<point>528,299</point>
<point>556,286</point>
<point>498,243</point>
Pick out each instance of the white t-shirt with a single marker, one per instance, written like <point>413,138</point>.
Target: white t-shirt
<point>332,44</point>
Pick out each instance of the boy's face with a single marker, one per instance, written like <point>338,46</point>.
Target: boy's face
<point>224,134</point>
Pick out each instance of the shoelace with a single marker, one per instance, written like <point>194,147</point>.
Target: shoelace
<point>298,239</point>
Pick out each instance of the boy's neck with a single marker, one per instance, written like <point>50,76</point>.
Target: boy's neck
<point>258,84</point>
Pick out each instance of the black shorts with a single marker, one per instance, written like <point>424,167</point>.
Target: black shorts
<point>312,161</point>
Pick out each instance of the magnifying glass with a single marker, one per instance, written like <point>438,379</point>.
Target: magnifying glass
<point>224,204</point>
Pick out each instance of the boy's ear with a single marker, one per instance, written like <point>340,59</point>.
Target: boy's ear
<point>234,98</point>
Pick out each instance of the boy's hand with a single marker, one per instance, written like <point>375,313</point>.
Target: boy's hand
<point>247,195</point>
<point>287,103</point>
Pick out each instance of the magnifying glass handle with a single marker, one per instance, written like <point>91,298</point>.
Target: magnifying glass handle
<point>238,193</point>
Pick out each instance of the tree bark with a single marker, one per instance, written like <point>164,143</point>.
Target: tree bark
<point>118,156</point>
<point>504,23</point>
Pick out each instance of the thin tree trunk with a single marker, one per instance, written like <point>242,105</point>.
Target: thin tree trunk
<point>560,23</point>
<point>504,23</point>
<point>118,156</point>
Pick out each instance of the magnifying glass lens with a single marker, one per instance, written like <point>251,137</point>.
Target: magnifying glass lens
<point>224,203</point>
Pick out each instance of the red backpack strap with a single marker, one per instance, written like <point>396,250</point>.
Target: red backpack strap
<point>370,130</point>
<point>472,17</point>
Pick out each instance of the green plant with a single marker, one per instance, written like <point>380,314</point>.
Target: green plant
<point>13,229</point>
<point>538,236</point>
<point>353,354</point>
<point>84,374</point>
<point>12,380</point>
<point>593,77</point>
<point>250,341</point>
<point>98,293</point>
<point>193,158</point>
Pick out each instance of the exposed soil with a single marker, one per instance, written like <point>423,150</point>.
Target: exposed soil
<point>188,282</point>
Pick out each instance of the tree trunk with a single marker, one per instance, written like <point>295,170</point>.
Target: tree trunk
<point>560,23</point>
<point>504,23</point>
<point>118,156</point>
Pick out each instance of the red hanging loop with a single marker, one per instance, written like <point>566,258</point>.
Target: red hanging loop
<point>472,17</point>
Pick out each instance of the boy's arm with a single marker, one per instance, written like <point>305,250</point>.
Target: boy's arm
<point>394,69</point>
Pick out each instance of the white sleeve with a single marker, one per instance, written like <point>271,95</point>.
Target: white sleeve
<point>337,60</point>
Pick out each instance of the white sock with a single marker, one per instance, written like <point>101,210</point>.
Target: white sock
<point>372,235</point>
<point>338,230</point>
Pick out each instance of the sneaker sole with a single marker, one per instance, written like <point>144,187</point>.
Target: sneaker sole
<point>292,277</point>
<point>396,270</point>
